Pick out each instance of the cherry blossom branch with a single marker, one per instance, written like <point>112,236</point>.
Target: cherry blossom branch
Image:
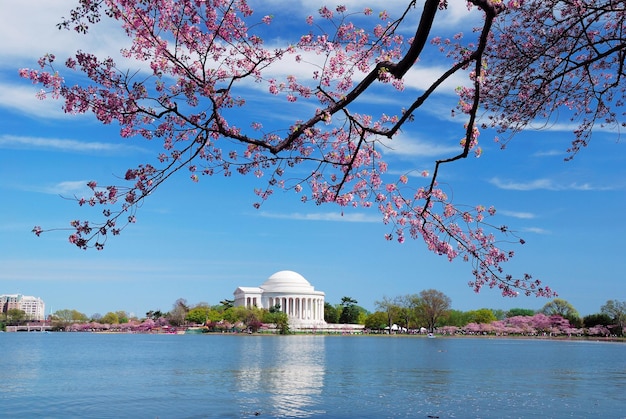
<point>198,52</point>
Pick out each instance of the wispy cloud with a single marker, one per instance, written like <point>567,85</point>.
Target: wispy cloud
<point>22,99</point>
<point>422,77</point>
<point>105,38</point>
<point>542,184</point>
<point>550,153</point>
<point>326,216</point>
<point>412,146</point>
<point>67,189</point>
<point>517,214</point>
<point>65,145</point>
<point>456,12</point>
<point>536,230</point>
<point>553,125</point>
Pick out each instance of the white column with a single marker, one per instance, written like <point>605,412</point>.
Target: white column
<point>304,310</point>
<point>320,311</point>
<point>298,308</point>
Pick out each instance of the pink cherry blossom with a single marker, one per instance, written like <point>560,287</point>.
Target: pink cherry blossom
<point>516,69</point>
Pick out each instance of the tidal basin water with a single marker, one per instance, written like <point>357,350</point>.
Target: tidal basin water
<point>82,375</point>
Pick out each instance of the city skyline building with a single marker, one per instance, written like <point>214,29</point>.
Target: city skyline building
<point>34,307</point>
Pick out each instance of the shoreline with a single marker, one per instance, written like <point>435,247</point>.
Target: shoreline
<point>611,339</point>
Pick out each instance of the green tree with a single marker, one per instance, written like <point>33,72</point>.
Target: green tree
<point>432,306</point>
<point>363,313</point>
<point>598,319</point>
<point>616,310</point>
<point>558,306</point>
<point>455,318</point>
<point>235,314</point>
<point>70,316</point>
<point>282,324</point>
<point>226,304</point>
<point>199,314</point>
<point>331,314</point>
<point>499,314</point>
<point>563,308</point>
<point>110,318</point>
<point>377,320</point>
<point>63,318</point>
<point>275,308</point>
<point>407,314</point>
<point>483,315</point>
<point>253,319</point>
<point>390,308</point>
<point>15,316</point>
<point>122,316</point>
<point>278,318</point>
<point>514,312</point>
<point>154,314</point>
<point>349,311</point>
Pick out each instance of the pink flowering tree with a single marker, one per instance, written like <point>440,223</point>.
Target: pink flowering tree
<point>197,62</point>
<point>598,330</point>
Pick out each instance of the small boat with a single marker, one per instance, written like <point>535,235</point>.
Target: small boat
<point>431,336</point>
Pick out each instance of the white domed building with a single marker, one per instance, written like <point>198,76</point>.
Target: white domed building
<point>294,294</point>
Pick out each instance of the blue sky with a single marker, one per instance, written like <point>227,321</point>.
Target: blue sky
<point>199,241</point>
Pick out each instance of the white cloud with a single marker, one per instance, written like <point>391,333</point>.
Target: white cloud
<point>22,45</point>
<point>22,99</point>
<point>328,216</point>
<point>404,145</point>
<point>65,145</point>
<point>106,38</point>
<point>68,188</point>
<point>422,77</point>
<point>550,153</point>
<point>541,184</point>
<point>455,14</point>
<point>517,214</point>
<point>536,230</point>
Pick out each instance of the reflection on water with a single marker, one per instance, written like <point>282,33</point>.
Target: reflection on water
<point>77,375</point>
<point>288,370</point>
<point>23,367</point>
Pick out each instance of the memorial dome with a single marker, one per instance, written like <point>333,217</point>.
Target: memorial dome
<point>287,282</point>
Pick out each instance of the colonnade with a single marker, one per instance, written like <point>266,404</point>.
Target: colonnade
<point>300,308</point>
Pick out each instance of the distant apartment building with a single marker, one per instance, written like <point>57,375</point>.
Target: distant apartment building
<point>34,307</point>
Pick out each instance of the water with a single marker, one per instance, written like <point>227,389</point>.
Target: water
<point>79,375</point>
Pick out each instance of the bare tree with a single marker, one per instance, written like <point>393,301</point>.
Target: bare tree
<point>432,306</point>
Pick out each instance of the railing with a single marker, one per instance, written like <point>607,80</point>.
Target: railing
<point>37,327</point>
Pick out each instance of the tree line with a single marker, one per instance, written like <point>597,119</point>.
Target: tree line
<point>430,309</point>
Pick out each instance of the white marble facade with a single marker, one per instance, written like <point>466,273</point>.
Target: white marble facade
<point>294,294</point>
